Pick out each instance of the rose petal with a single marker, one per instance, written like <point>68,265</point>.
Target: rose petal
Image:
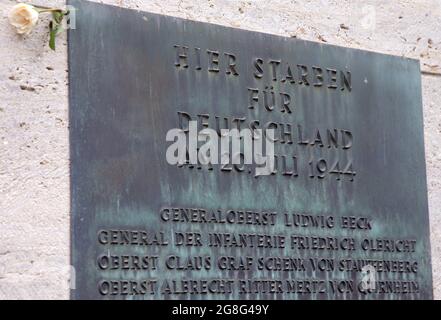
<point>23,17</point>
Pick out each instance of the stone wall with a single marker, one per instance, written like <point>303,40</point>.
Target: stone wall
<point>34,150</point>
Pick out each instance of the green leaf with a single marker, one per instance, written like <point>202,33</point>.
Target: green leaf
<point>52,34</point>
<point>59,30</point>
<point>55,27</point>
<point>57,16</point>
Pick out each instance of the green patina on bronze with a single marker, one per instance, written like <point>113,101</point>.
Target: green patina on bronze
<point>126,86</point>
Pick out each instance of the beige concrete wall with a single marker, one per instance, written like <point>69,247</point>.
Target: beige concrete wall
<point>34,159</point>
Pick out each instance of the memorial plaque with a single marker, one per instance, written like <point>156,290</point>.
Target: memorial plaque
<point>341,212</point>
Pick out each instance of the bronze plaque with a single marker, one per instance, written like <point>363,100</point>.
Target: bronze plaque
<point>342,214</point>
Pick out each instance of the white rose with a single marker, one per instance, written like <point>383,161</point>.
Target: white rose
<point>23,17</point>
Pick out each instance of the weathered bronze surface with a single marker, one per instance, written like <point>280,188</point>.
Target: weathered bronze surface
<point>350,186</point>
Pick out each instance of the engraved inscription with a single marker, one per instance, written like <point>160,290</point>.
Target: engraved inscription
<point>214,163</point>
